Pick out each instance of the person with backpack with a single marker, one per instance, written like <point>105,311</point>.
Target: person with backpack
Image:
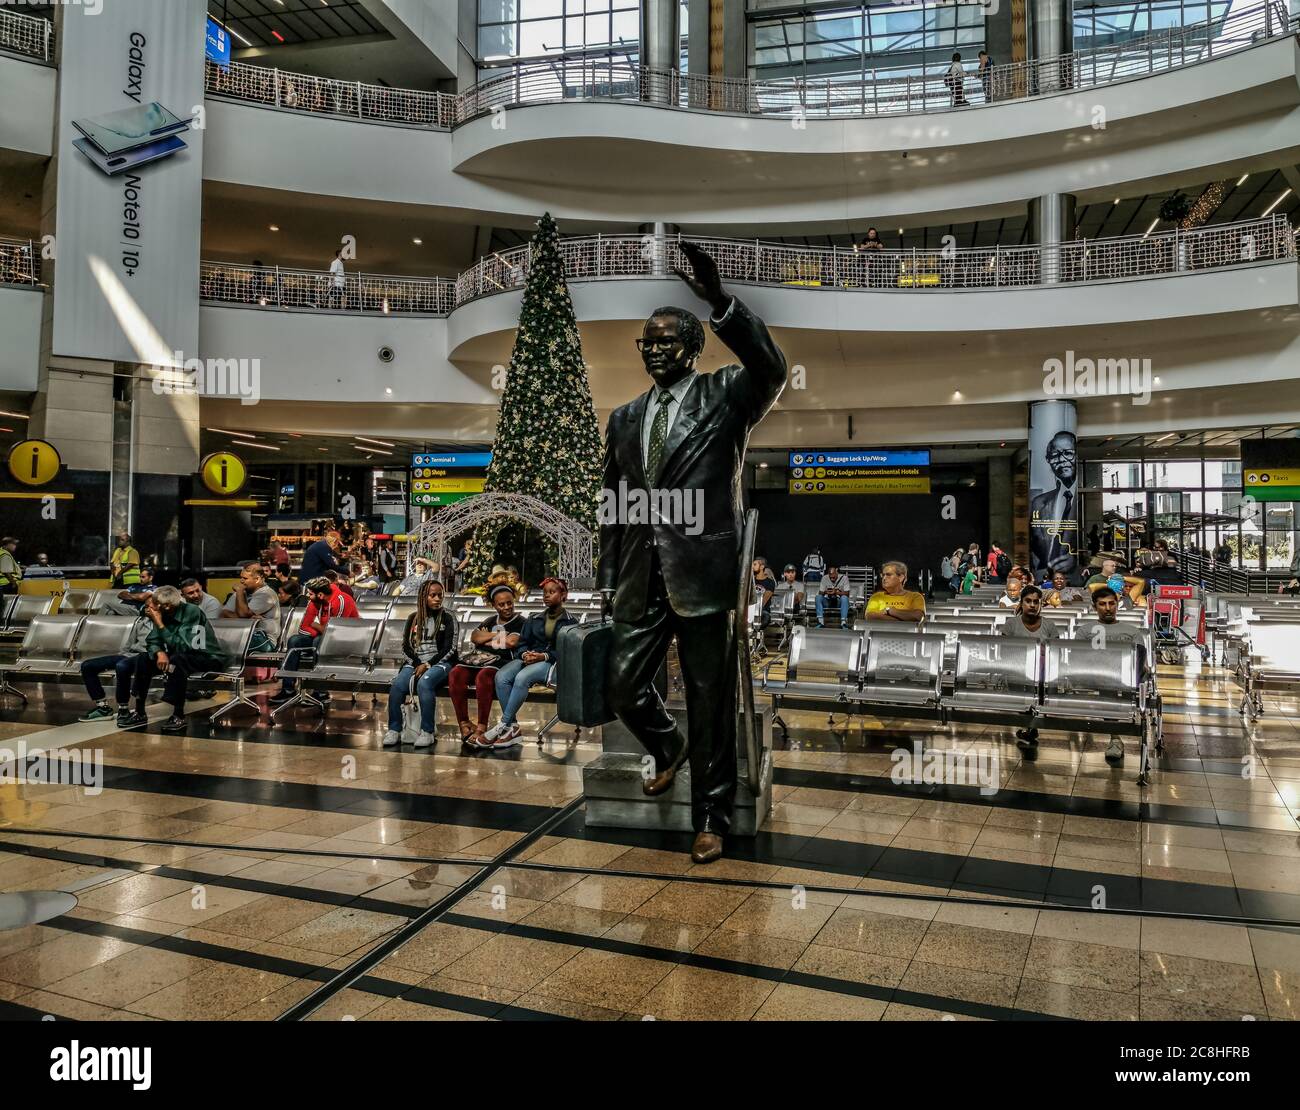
<point>999,563</point>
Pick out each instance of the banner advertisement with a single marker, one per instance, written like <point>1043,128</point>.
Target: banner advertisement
<point>1053,488</point>
<point>130,181</point>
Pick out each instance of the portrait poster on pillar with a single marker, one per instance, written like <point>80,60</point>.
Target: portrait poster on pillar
<point>130,181</point>
<point>1053,488</point>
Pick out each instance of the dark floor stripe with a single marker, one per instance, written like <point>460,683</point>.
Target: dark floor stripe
<point>1068,805</point>
<point>471,812</point>
<point>915,867</point>
<point>737,967</point>
<point>296,969</point>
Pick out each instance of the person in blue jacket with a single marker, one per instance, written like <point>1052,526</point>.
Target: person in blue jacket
<point>534,658</point>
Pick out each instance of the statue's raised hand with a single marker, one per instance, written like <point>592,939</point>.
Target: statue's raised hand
<point>704,280</point>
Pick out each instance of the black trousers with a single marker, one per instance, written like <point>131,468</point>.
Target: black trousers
<point>173,686</point>
<point>706,650</point>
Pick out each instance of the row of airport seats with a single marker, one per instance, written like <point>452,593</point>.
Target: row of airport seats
<point>357,655</point>
<point>55,645</point>
<point>1256,636</point>
<point>364,654</point>
<point>1067,684</point>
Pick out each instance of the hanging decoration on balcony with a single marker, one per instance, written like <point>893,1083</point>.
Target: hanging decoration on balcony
<point>1175,208</point>
<point>548,443</point>
<point>1206,204</point>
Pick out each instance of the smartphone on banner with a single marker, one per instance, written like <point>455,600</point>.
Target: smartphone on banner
<point>129,128</point>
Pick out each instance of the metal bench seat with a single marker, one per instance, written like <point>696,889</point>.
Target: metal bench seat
<point>903,669</point>
<point>235,637</point>
<point>343,656</point>
<point>1081,681</point>
<point>1270,656</point>
<point>996,673</point>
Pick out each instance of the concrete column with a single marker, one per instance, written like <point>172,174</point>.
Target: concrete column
<point>660,48</point>
<point>1051,225</point>
<point>1001,507</point>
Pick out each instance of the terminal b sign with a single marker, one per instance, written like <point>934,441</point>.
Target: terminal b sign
<point>859,472</point>
<point>438,479</point>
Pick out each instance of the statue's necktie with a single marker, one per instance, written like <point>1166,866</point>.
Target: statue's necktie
<point>658,437</point>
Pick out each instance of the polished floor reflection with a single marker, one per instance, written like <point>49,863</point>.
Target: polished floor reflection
<point>248,872</point>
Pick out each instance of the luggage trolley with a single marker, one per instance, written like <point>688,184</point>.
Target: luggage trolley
<point>1178,620</point>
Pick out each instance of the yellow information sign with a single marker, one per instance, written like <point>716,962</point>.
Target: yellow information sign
<point>34,462</point>
<point>907,484</point>
<point>223,472</point>
<point>448,485</point>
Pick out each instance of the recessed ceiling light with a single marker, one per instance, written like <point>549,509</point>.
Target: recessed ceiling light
<point>762,466</point>
<point>274,227</point>
<point>367,439</point>
<point>389,389</point>
<point>1242,179</point>
<point>956,394</point>
<point>418,242</point>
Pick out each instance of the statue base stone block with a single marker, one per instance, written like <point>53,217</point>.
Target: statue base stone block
<point>612,786</point>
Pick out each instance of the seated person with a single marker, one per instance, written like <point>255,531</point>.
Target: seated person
<point>130,601</point>
<point>534,658</point>
<point>181,643</point>
<point>764,586</point>
<point>123,667</point>
<point>340,583</point>
<point>366,579</point>
<point>970,579</point>
<point>1015,586</point>
<point>494,643</point>
<point>195,594</point>
<point>835,589</point>
<point>252,599</point>
<point>1107,631</point>
<point>790,584</point>
<point>287,590</point>
<point>430,646</point>
<point>324,601</point>
<point>410,586</point>
<point>1026,623</point>
<point>1126,588</point>
<point>496,577</point>
<point>893,602</point>
<point>1061,593</point>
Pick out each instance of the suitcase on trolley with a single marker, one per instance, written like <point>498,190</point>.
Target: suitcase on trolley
<point>583,652</point>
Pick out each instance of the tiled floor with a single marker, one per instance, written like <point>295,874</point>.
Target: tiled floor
<point>233,872</point>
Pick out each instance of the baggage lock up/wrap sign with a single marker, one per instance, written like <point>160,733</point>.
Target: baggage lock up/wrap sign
<point>901,471</point>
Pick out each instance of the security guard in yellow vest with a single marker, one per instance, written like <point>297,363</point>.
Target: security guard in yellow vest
<point>125,562</point>
<point>11,574</point>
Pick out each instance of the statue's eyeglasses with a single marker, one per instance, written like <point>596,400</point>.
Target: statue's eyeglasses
<point>661,343</point>
<point>1061,455</point>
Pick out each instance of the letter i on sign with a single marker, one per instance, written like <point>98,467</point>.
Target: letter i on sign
<point>36,462</point>
<point>225,482</point>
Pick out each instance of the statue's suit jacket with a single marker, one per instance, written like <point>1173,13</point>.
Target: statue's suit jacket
<point>705,452</point>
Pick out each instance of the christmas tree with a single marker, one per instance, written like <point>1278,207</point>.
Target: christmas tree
<point>548,441</point>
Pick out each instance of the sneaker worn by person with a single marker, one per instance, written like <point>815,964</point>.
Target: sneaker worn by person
<point>123,712</point>
<point>280,697</point>
<point>101,712</point>
<point>425,739</point>
<point>1115,750</point>
<point>174,724</point>
<point>392,738</point>
<point>509,738</point>
<point>134,719</point>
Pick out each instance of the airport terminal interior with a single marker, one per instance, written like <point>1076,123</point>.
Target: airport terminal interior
<point>593,510</point>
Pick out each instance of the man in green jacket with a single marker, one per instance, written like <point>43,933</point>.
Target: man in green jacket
<point>180,644</point>
<point>11,574</point>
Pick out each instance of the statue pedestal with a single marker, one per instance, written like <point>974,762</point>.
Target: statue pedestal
<point>612,786</point>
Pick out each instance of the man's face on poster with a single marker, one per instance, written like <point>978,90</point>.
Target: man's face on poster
<point>1061,457</point>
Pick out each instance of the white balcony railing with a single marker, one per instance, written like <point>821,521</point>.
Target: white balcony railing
<point>26,35</point>
<point>278,287</point>
<point>20,262</point>
<point>753,262</point>
<point>878,91</point>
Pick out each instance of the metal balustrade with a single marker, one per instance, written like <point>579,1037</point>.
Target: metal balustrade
<point>753,262</point>
<point>874,92</point>
<point>278,287</point>
<point>328,96</point>
<point>26,35</point>
<point>20,262</point>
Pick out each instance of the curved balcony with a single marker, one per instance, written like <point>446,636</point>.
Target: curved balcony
<point>881,92</point>
<point>598,258</point>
